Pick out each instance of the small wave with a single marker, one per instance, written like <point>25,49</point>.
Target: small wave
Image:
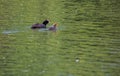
<point>10,31</point>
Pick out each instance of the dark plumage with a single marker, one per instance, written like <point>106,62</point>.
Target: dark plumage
<point>37,25</point>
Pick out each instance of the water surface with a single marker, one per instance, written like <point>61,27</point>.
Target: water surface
<point>86,43</point>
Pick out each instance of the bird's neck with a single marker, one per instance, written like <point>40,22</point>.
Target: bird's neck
<point>45,24</point>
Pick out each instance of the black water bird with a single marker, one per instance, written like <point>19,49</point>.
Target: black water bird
<point>43,25</point>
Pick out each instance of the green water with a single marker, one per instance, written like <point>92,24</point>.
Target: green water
<point>87,42</point>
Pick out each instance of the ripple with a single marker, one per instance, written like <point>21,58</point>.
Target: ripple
<point>10,31</point>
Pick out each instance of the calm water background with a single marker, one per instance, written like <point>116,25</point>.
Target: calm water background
<point>87,42</point>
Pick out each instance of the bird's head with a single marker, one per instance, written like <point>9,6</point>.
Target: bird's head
<point>45,22</point>
<point>55,24</point>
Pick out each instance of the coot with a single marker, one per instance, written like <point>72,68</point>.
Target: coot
<point>43,25</point>
<point>54,27</point>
